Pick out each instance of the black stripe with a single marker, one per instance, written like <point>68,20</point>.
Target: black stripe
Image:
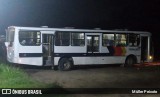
<point>30,54</point>
<point>81,54</point>
<point>66,54</point>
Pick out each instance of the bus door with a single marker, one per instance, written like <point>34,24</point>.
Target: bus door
<point>48,49</point>
<point>92,44</point>
<point>144,48</point>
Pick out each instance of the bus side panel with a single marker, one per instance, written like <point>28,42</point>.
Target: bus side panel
<point>30,61</point>
<point>95,60</point>
<point>30,55</point>
<point>99,60</point>
<point>136,51</point>
<point>56,60</point>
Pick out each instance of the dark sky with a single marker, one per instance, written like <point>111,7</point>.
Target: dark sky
<point>106,14</point>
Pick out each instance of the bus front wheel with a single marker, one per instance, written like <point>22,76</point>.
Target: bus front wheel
<point>65,64</point>
<point>130,61</point>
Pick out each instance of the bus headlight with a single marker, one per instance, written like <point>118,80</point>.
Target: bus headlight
<point>150,57</point>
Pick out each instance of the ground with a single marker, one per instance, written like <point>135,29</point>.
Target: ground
<point>100,77</point>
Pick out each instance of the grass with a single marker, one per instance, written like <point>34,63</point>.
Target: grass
<point>12,77</point>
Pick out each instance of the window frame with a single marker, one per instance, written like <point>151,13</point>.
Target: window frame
<point>10,34</point>
<point>24,38</point>
<point>103,39</point>
<point>126,39</point>
<point>78,39</point>
<point>62,39</point>
<point>135,40</point>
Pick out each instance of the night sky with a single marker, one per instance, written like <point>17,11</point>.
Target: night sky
<point>106,14</point>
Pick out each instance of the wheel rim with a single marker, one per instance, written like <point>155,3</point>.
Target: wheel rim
<point>66,65</point>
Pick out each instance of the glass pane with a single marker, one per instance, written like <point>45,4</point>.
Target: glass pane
<point>89,44</point>
<point>62,39</point>
<point>121,39</point>
<point>10,35</point>
<point>27,38</point>
<point>96,44</point>
<point>134,39</point>
<point>77,39</point>
<point>108,40</point>
<point>93,43</point>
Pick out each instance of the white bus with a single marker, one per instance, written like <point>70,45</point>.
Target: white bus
<point>68,47</point>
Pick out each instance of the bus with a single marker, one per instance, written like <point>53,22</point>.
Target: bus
<point>66,47</point>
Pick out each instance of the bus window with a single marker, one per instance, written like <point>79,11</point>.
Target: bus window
<point>10,35</point>
<point>29,38</point>
<point>62,39</point>
<point>134,40</point>
<point>121,39</point>
<point>108,40</point>
<point>77,39</point>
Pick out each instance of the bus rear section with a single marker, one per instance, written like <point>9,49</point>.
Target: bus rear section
<point>9,43</point>
<point>25,45</point>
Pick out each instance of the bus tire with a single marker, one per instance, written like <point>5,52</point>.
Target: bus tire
<point>130,61</point>
<point>65,64</point>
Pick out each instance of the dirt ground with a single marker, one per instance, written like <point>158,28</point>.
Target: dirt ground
<point>100,77</point>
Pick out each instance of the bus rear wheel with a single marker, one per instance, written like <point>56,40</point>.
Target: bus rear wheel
<point>130,61</point>
<point>65,64</point>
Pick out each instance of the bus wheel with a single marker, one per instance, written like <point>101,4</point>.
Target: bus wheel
<point>130,61</point>
<point>65,64</point>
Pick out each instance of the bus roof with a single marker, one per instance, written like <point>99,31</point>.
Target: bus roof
<point>78,30</point>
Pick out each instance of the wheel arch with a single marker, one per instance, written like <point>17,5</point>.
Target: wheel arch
<point>68,57</point>
<point>130,60</point>
<point>133,56</point>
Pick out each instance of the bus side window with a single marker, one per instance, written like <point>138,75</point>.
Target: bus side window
<point>134,40</point>
<point>77,39</point>
<point>29,38</point>
<point>62,38</point>
<point>108,40</point>
<point>121,39</point>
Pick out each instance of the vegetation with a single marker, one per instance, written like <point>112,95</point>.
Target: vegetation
<point>11,77</point>
<point>15,78</point>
